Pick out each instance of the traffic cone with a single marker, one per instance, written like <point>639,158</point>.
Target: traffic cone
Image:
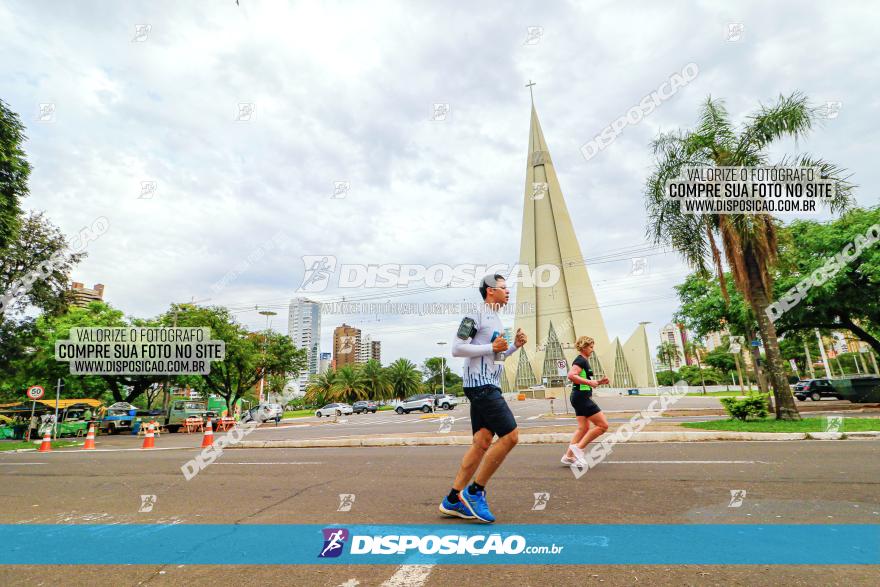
<point>208,438</point>
<point>90,439</point>
<point>46,445</point>
<point>149,441</point>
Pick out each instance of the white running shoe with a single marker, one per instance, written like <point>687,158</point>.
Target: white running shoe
<point>567,460</point>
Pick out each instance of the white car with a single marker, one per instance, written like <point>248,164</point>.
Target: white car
<point>334,410</point>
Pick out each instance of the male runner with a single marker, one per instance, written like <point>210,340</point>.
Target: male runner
<point>480,342</point>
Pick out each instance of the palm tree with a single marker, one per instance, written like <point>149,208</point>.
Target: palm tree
<point>404,378</point>
<point>666,353</point>
<point>349,384</point>
<point>693,347</point>
<point>320,388</point>
<point>748,240</point>
<point>376,380</point>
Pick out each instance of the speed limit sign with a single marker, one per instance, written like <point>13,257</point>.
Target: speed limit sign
<point>35,392</point>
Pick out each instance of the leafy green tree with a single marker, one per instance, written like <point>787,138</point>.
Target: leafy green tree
<point>320,388</point>
<point>722,361</point>
<point>693,348</point>
<point>749,240</point>
<point>376,380</point>
<point>848,300</point>
<point>34,268</point>
<point>404,377</point>
<point>248,355</point>
<point>14,173</point>
<point>667,352</point>
<point>349,385</point>
<point>437,372</point>
<point>51,328</point>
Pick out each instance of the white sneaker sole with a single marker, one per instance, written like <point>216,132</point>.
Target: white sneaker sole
<point>455,514</point>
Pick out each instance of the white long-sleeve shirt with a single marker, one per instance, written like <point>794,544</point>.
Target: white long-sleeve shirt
<point>479,358</point>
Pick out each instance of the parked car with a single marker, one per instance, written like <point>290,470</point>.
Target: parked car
<point>334,410</point>
<point>263,413</point>
<point>815,389</point>
<point>446,401</point>
<point>422,401</point>
<point>364,406</point>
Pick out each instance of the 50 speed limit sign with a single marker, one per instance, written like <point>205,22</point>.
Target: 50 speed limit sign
<point>35,392</point>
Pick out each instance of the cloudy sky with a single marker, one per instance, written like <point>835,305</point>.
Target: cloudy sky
<point>144,126</point>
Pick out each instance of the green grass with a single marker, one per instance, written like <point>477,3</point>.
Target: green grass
<point>306,413</point>
<point>298,414</point>
<point>772,425</point>
<point>20,444</point>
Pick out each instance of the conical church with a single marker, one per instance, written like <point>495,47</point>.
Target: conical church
<point>567,309</point>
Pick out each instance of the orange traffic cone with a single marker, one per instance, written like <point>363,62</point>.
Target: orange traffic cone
<point>90,439</point>
<point>208,438</point>
<point>46,445</point>
<point>149,441</point>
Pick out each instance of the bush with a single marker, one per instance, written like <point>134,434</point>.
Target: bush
<point>753,406</point>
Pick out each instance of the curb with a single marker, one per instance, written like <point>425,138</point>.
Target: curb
<point>549,438</point>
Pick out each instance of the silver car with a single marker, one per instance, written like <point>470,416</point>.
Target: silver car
<point>334,410</point>
<point>423,402</point>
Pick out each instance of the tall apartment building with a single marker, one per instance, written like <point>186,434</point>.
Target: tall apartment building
<point>304,328</point>
<point>83,296</point>
<point>376,350</point>
<point>346,345</point>
<point>676,334</point>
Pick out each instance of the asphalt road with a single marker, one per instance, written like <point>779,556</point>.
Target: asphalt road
<point>785,482</point>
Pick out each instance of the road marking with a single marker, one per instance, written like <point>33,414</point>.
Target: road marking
<point>409,576</point>
<point>13,464</point>
<point>282,427</point>
<point>687,462</point>
<point>276,463</point>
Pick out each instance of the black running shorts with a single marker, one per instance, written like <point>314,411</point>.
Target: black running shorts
<point>583,404</point>
<point>489,410</point>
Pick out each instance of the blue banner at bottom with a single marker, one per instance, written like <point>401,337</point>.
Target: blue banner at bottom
<point>257,544</point>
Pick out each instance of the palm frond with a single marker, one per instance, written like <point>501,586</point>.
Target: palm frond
<point>843,188</point>
<point>791,116</point>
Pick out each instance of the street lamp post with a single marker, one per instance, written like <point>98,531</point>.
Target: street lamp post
<point>442,368</point>
<point>267,314</point>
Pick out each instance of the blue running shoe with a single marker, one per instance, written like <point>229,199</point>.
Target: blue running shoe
<point>458,510</point>
<point>476,503</point>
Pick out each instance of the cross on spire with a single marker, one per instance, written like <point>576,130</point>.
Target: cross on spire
<point>529,86</point>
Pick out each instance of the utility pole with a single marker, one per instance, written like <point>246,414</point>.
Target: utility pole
<point>267,314</point>
<point>824,356</point>
<point>809,360</point>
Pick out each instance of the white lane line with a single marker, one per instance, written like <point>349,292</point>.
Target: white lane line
<point>276,463</point>
<point>409,576</point>
<point>14,464</point>
<point>81,452</point>
<point>687,462</point>
<point>281,427</point>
